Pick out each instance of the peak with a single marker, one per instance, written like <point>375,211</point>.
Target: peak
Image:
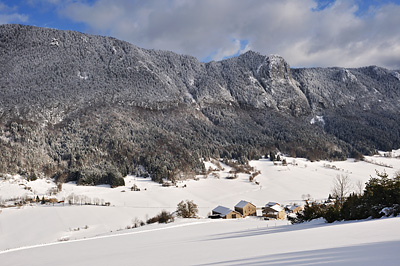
<point>275,56</point>
<point>275,60</point>
<point>251,55</point>
<point>272,58</point>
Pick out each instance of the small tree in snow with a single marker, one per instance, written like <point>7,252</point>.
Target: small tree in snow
<point>341,188</point>
<point>187,209</point>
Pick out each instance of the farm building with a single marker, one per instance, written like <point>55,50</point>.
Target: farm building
<point>294,208</point>
<point>246,208</point>
<point>225,213</point>
<point>274,211</point>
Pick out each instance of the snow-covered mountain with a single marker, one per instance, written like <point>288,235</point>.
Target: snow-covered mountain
<point>79,107</point>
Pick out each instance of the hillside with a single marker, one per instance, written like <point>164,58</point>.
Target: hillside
<point>284,184</point>
<point>99,235</point>
<point>92,109</point>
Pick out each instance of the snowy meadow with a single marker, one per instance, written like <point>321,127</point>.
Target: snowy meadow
<point>104,232</point>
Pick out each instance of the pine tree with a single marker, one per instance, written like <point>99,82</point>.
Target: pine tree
<point>272,156</point>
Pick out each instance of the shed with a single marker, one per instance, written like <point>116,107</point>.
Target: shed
<point>246,208</point>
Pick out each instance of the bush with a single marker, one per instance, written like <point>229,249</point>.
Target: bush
<point>137,223</point>
<point>332,213</point>
<point>163,217</point>
<point>312,210</point>
<point>187,209</point>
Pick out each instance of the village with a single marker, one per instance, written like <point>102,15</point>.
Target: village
<point>271,210</point>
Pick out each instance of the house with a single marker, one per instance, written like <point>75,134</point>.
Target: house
<point>294,208</point>
<point>225,213</point>
<point>246,208</point>
<point>273,210</point>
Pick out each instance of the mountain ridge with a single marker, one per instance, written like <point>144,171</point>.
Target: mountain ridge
<point>76,106</point>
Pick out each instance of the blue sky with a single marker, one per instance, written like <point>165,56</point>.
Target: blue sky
<point>348,33</point>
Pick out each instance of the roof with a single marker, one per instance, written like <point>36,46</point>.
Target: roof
<point>242,204</point>
<point>271,203</point>
<point>293,207</point>
<point>277,208</point>
<point>222,210</point>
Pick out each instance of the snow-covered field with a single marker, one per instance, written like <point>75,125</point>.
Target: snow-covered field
<point>97,235</point>
<point>227,242</point>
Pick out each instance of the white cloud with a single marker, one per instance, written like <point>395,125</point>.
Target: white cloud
<point>8,14</point>
<point>230,49</point>
<point>332,36</point>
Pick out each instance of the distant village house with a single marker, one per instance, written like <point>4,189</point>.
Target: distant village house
<point>274,211</point>
<point>225,213</point>
<point>246,208</point>
<point>294,208</point>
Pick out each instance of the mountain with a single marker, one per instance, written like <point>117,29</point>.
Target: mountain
<point>90,108</point>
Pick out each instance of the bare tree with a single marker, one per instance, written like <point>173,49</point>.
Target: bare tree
<point>187,209</point>
<point>359,187</point>
<point>341,187</point>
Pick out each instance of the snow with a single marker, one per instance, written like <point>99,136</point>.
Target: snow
<point>98,235</point>
<point>274,60</point>
<point>83,76</point>
<point>317,118</point>
<point>55,42</point>
<point>253,80</point>
<point>349,76</point>
<point>277,208</point>
<point>396,75</point>
<point>5,139</point>
<point>226,242</point>
<point>19,187</point>
<point>259,67</point>
<point>191,81</point>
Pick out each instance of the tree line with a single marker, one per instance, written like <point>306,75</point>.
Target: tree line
<point>381,197</point>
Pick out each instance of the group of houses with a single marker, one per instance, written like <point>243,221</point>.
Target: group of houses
<point>272,210</point>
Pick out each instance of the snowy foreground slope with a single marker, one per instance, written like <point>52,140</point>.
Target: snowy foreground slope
<point>97,235</point>
<point>227,242</point>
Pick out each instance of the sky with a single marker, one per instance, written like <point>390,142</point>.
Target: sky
<point>307,33</point>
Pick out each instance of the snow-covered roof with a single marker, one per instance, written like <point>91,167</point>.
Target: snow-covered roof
<point>271,203</point>
<point>277,208</point>
<point>293,207</point>
<point>222,210</point>
<point>242,204</point>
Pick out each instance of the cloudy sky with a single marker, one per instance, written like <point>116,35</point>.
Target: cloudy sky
<point>347,33</point>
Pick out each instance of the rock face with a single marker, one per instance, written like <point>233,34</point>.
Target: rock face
<point>363,88</point>
<point>77,106</point>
